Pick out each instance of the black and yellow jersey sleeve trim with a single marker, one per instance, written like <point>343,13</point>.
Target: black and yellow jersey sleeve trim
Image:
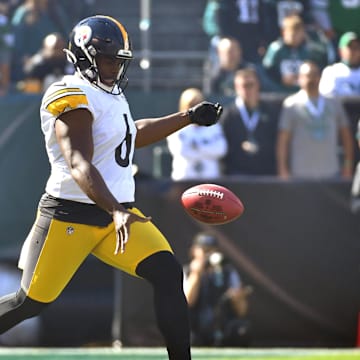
<point>65,99</point>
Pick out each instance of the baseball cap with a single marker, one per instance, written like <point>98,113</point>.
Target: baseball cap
<point>205,239</point>
<point>346,38</point>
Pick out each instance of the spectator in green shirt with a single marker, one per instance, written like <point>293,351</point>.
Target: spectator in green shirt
<point>285,55</point>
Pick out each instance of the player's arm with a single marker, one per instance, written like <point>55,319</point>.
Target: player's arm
<point>155,129</point>
<point>152,130</point>
<point>74,135</point>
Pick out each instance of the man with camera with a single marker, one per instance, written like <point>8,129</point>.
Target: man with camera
<point>217,299</point>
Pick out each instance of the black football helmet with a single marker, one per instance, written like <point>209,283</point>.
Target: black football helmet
<point>97,35</point>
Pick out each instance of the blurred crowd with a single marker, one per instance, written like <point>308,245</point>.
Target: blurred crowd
<point>275,37</point>
<point>32,36</point>
<point>307,53</point>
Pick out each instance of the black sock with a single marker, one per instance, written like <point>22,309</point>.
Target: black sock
<point>165,274</point>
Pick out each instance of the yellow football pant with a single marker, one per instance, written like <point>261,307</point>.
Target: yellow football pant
<point>56,249</point>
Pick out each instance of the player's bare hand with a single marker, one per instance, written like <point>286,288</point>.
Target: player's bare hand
<point>123,220</point>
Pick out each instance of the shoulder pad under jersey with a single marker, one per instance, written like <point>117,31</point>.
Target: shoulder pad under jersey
<point>61,97</point>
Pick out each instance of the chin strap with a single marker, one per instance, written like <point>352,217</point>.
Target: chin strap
<point>92,74</point>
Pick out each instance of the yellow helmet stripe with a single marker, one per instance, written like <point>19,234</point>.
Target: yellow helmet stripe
<point>122,29</point>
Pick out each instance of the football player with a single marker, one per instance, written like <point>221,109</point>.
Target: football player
<point>88,205</point>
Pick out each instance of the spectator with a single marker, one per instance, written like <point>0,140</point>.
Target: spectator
<point>309,11</point>
<point>321,17</point>
<point>217,299</point>
<point>219,78</point>
<point>338,16</point>
<point>250,128</point>
<point>277,10</point>
<point>284,56</point>
<point>49,63</point>
<point>196,150</point>
<point>343,78</point>
<point>31,23</point>
<point>232,18</point>
<point>309,128</point>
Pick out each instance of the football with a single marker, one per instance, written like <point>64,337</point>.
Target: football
<point>212,204</point>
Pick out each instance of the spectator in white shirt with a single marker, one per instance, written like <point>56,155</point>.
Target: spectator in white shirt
<point>343,78</point>
<point>196,150</point>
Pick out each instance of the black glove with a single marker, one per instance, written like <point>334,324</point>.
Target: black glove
<point>205,113</point>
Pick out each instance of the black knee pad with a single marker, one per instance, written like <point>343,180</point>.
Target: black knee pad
<point>161,269</point>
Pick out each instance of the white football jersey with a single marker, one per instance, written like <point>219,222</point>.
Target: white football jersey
<point>114,133</point>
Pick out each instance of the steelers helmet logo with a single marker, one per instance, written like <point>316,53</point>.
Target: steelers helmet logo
<point>82,35</point>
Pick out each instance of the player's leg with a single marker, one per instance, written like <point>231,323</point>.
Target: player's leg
<point>165,274</point>
<point>149,255</point>
<point>17,307</point>
<point>52,253</point>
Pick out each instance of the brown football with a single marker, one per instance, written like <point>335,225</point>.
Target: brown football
<point>212,204</point>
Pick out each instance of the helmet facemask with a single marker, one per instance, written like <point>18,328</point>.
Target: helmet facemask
<point>95,74</point>
<point>95,37</point>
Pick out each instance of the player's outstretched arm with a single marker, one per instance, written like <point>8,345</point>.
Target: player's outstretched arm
<point>156,129</point>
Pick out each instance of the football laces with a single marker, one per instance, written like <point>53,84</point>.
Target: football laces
<point>211,193</point>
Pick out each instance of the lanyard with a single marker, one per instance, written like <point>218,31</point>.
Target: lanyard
<point>250,122</point>
<point>316,110</point>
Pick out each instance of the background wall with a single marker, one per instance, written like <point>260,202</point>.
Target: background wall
<point>297,244</point>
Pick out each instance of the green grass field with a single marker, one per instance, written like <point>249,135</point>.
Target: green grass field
<point>159,354</point>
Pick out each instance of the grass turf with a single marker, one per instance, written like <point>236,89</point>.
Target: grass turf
<point>160,354</point>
